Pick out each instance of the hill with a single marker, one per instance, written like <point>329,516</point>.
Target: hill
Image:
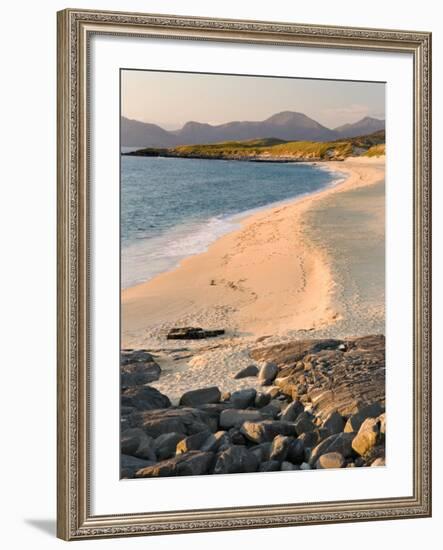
<point>366,125</point>
<point>287,125</point>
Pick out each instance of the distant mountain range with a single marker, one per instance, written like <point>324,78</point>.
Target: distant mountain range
<point>287,125</point>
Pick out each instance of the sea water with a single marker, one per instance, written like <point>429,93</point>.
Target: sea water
<point>172,208</point>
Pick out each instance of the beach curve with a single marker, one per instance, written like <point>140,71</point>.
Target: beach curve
<point>277,274</point>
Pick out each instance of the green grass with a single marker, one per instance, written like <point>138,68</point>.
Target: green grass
<point>376,151</point>
<point>274,149</point>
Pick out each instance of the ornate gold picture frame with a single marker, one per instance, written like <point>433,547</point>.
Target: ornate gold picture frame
<point>75,29</point>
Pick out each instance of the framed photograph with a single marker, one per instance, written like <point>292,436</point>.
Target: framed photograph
<point>243,274</point>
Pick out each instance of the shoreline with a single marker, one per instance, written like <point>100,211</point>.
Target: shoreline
<point>263,159</point>
<point>233,222</point>
<point>237,274</point>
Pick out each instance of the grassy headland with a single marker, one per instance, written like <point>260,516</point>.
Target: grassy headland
<point>275,150</point>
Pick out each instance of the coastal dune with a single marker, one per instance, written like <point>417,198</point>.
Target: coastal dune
<point>312,265</point>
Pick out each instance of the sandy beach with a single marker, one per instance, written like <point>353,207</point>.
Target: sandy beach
<point>313,267</point>
<point>284,270</point>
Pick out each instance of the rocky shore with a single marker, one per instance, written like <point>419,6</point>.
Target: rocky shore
<point>315,404</point>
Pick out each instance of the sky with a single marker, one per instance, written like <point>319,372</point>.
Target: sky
<point>172,99</point>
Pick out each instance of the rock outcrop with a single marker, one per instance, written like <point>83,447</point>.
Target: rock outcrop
<point>322,406</point>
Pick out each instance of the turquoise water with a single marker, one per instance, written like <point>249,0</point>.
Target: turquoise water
<point>173,208</point>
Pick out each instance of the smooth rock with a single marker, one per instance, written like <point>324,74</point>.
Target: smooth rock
<point>368,436</point>
<point>166,444</point>
<point>192,463</point>
<point>135,356</point>
<point>236,437</point>
<point>330,460</point>
<point>215,441</point>
<point>262,451</point>
<point>267,373</point>
<point>291,412</point>
<point>272,409</point>
<point>262,399</point>
<point>235,417</point>
<point>137,443</point>
<point>304,423</point>
<point>131,439</point>
<point>186,421</point>
<point>144,398</point>
<point>266,430</point>
<point>364,411</point>
<point>234,460</point>
<point>130,464</point>
<point>296,451</point>
<point>138,374</point>
<point>310,439</point>
<point>247,372</point>
<point>334,423</point>
<point>194,398</point>
<point>192,442</point>
<point>280,447</point>
<point>340,443</point>
<point>242,399</point>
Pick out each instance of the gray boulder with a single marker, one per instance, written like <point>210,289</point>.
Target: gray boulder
<point>236,437</point>
<point>262,451</point>
<point>296,451</point>
<point>338,443</point>
<point>247,372</point>
<point>262,399</point>
<point>266,430</point>
<point>194,398</point>
<point>182,420</point>
<point>242,399</point>
<point>334,423</point>
<point>272,409</point>
<point>135,442</point>
<point>166,444</point>
<point>128,356</point>
<point>364,411</point>
<point>267,373</point>
<point>130,464</point>
<point>291,412</point>
<point>192,442</point>
<point>280,447</point>
<point>138,374</point>
<point>189,464</point>
<point>304,423</point>
<point>144,398</point>
<point>234,460</point>
<point>215,441</point>
<point>235,417</point>
<point>310,439</point>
